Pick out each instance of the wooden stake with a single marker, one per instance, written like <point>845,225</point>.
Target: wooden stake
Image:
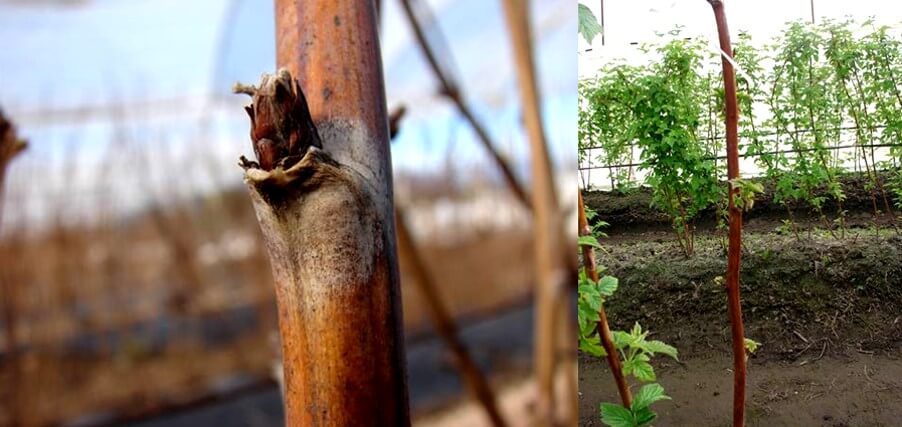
<point>547,226</point>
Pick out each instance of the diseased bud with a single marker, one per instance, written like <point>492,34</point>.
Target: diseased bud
<point>281,126</point>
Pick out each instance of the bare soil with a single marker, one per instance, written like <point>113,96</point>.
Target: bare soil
<point>827,311</point>
<point>859,390</point>
<point>140,361</point>
<point>632,212</point>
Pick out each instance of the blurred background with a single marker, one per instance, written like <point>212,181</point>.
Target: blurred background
<point>135,289</point>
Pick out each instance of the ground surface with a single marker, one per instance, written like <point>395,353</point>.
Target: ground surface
<point>859,390</point>
<point>86,372</point>
<point>501,344</point>
<point>828,312</point>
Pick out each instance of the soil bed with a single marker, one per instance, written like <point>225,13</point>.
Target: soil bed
<point>827,311</point>
<point>861,390</point>
<point>632,211</point>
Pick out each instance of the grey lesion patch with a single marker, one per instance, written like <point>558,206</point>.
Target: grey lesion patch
<point>319,219</point>
<point>353,147</point>
<point>317,213</point>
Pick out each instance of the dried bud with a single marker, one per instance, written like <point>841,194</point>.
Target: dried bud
<point>281,126</point>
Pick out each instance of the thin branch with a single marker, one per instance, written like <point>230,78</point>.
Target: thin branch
<point>604,330</point>
<point>450,89</point>
<point>444,323</point>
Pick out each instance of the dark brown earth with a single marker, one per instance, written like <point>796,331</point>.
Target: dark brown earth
<point>631,212</point>
<point>827,311</point>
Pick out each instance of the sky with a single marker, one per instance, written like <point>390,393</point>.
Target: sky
<point>161,64</point>
<point>79,75</point>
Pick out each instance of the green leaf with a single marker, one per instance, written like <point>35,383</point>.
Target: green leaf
<point>751,345</point>
<point>628,366</point>
<point>640,369</point>
<point>589,241</point>
<point>622,339</point>
<point>659,347</point>
<point>636,332</point>
<point>588,24</point>
<point>591,294</point>
<point>586,328</point>
<point>607,285</point>
<point>592,345</point>
<point>648,394</point>
<point>587,315</point>
<point>644,416</point>
<point>615,415</point>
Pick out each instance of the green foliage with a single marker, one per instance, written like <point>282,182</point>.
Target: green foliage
<point>636,352</point>
<point>605,118</point>
<point>745,199</point>
<point>597,225</point>
<point>749,88</point>
<point>807,113</point>
<point>639,413</point>
<point>634,349</point>
<point>588,27</point>
<point>666,126</point>
<point>795,95</point>
<point>591,296</point>
<point>589,241</point>
<point>751,345</point>
<point>616,415</point>
<point>656,108</point>
<point>895,186</point>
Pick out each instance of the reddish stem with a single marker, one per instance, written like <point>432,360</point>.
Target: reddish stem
<point>607,339</point>
<point>330,235</point>
<point>733,254</point>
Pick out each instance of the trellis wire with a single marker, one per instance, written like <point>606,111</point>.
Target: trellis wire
<point>744,156</point>
<point>587,165</point>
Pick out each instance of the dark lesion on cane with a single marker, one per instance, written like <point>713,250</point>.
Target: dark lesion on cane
<point>282,129</point>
